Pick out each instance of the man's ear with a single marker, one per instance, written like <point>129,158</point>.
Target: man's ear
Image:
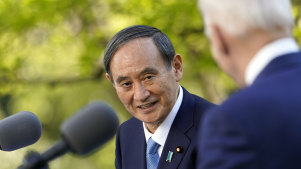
<point>219,40</point>
<point>109,78</point>
<point>177,65</point>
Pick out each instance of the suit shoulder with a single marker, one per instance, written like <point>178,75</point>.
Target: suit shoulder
<point>130,123</point>
<point>201,101</point>
<point>200,107</point>
<point>202,104</point>
<point>129,126</point>
<point>248,98</point>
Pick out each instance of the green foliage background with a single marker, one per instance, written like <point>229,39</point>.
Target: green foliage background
<point>51,61</point>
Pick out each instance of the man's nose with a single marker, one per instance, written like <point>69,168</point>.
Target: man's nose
<point>141,93</point>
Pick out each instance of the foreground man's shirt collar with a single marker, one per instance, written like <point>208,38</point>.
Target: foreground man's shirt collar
<point>162,131</point>
<point>266,54</point>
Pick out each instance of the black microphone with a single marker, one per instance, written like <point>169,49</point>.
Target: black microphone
<point>19,130</point>
<point>82,134</point>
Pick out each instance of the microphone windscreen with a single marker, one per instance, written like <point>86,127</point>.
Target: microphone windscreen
<point>19,130</point>
<point>90,128</point>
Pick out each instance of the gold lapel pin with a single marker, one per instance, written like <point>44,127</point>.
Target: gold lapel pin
<point>179,149</point>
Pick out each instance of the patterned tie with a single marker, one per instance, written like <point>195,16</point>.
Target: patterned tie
<point>152,156</point>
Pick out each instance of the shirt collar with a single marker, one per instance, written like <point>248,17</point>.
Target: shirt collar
<point>266,55</point>
<point>162,131</point>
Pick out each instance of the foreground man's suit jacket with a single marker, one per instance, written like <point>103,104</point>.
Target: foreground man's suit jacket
<point>260,126</point>
<point>131,143</point>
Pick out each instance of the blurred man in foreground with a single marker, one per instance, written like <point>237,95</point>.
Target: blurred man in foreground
<point>145,71</point>
<point>259,127</point>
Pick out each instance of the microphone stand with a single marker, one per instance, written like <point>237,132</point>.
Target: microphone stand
<point>34,160</point>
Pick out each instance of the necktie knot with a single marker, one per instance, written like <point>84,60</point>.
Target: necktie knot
<point>152,146</point>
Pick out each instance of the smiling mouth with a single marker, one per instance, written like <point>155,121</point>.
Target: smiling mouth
<point>145,106</point>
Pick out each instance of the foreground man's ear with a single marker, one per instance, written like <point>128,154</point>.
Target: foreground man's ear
<point>217,38</point>
<point>177,65</point>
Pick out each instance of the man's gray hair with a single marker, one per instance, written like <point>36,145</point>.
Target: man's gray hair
<point>239,16</point>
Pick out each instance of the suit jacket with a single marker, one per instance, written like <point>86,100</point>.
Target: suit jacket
<point>131,144</point>
<point>259,127</point>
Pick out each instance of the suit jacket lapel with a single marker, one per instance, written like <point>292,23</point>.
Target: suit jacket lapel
<point>134,151</point>
<point>140,148</point>
<point>177,135</point>
<point>175,139</point>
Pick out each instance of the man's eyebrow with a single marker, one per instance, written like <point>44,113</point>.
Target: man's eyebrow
<point>148,70</point>
<point>144,71</point>
<point>121,78</point>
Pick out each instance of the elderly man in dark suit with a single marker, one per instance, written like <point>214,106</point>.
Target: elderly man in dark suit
<point>259,127</point>
<point>145,71</point>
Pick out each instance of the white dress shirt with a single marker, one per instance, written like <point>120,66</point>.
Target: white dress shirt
<point>266,54</point>
<point>162,131</point>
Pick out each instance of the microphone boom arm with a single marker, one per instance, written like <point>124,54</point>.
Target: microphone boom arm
<point>34,160</point>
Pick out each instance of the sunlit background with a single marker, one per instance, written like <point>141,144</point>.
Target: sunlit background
<point>51,62</point>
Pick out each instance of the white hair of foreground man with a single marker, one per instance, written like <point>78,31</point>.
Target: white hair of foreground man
<point>238,17</point>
